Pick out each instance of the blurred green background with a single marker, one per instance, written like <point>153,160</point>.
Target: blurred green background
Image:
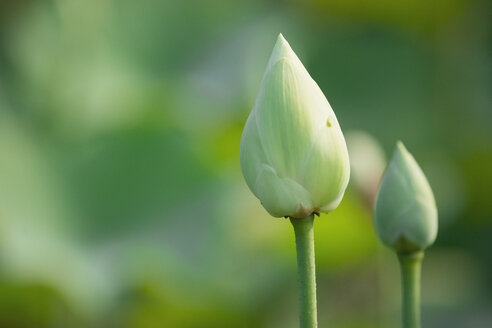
<point>122,202</point>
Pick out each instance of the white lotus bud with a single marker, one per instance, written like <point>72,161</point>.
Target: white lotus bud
<point>293,154</point>
<point>405,214</point>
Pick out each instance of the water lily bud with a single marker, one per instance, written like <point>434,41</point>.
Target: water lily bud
<point>293,154</point>
<point>405,214</point>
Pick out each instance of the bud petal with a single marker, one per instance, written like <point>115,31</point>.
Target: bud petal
<point>293,153</point>
<point>281,195</point>
<point>405,213</point>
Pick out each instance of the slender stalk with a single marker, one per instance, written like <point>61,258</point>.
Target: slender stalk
<point>303,229</point>
<point>410,265</point>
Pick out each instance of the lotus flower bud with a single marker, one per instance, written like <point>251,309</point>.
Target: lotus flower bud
<point>405,214</point>
<point>293,154</point>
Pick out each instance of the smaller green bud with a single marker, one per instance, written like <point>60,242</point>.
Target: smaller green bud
<point>405,213</point>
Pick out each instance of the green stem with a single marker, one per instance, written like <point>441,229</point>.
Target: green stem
<point>303,229</point>
<point>410,265</point>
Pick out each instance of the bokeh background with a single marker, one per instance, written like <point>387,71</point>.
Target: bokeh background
<point>122,202</point>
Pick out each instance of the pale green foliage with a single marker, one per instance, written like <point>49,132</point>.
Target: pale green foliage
<point>293,153</point>
<point>405,214</point>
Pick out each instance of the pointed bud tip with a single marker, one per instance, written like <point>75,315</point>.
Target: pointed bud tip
<point>281,38</point>
<point>401,151</point>
<point>400,146</point>
<point>281,50</point>
<point>282,44</point>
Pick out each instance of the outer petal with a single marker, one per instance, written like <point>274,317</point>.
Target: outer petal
<point>282,196</point>
<point>326,170</point>
<point>288,111</point>
<point>251,153</point>
<point>405,206</point>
